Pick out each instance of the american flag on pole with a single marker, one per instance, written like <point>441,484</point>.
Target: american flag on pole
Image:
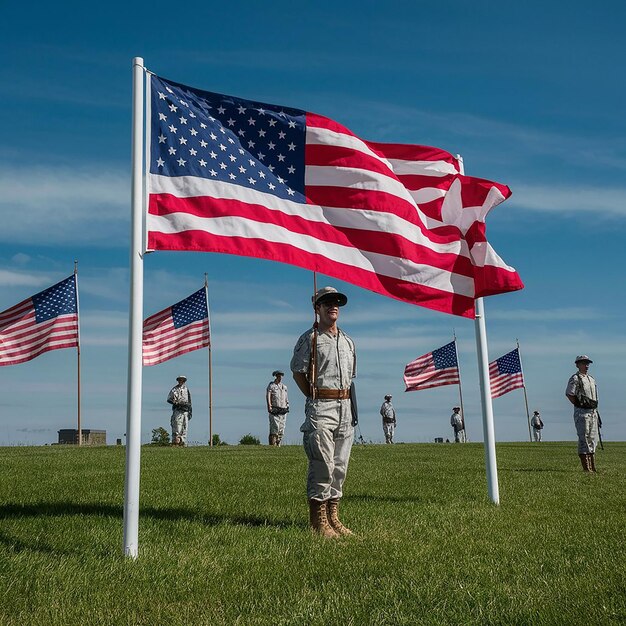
<point>241,177</point>
<point>181,328</point>
<point>46,321</point>
<point>505,374</point>
<point>434,369</point>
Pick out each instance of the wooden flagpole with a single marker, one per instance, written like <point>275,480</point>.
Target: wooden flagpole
<point>519,353</point>
<point>206,291</point>
<point>79,428</point>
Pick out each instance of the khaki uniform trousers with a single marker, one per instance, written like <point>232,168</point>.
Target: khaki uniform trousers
<point>586,422</point>
<point>327,437</point>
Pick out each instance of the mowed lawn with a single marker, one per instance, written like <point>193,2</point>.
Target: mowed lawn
<point>223,538</point>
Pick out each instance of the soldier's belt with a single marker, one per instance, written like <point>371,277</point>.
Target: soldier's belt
<point>332,394</point>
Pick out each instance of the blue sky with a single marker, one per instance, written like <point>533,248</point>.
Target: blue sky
<point>528,94</point>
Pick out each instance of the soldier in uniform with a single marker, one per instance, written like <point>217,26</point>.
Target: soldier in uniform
<point>180,399</point>
<point>388,414</point>
<point>582,392</point>
<point>537,425</point>
<point>323,366</point>
<point>277,407</point>
<point>458,424</point>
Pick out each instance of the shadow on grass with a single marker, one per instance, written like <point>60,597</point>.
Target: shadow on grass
<point>65,509</point>
<point>370,498</point>
<point>17,546</point>
<point>535,469</point>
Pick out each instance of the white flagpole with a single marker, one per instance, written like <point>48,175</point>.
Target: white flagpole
<point>485,396</point>
<point>135,329</point>
<point>458,364</point>
<point>485,393</point>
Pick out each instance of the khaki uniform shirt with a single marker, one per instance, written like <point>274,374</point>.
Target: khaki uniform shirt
<point>336,359</point>
<point>278,395</point>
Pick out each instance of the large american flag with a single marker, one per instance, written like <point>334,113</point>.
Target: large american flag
<point>241,177</point>
<point>505,374</point>
<point>181,328</point>
<point>434,369</point>
<point>46,321</point>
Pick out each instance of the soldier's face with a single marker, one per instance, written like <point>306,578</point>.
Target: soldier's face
<point>328,312</point>
<point>583,366</point>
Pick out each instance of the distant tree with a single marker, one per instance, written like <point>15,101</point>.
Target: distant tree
<point>249,440</point>
<point>160,437</point>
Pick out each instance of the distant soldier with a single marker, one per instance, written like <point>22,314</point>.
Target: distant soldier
<point>537,425</point>
<point>582,392</point>
<point>323,366</point>
<point>180,399</point>
<point>458,424</point>
<point>277,407</point>
<point>388,414</point>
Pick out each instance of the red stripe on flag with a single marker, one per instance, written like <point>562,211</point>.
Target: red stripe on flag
<point>406,291</point>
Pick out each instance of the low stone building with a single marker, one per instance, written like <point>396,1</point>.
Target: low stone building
<point>91,437</point>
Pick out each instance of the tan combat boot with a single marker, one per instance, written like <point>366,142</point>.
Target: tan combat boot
<point>319,521</point>
<point>333,518</point>
<point>592,462</point>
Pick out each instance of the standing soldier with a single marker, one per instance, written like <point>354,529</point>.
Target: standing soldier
<point>458,423</point>
<point>582,392</point>
<point>537,425</point>
<point>277,407</point>
<point>388,414</point>
<point>180,399</point>
<point>323,366</point>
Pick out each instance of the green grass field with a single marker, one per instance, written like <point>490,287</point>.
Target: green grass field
<point>223,538</point>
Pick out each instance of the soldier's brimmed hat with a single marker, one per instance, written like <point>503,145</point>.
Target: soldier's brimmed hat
<point>536,412</point>
<point>329,294</point>
<point>584,358</point>
<point>181,377</point>
<point>388,397</point>
<point>456,408</point>
<point>278,373</point>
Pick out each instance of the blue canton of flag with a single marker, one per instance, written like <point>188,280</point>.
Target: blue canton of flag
<point>190,309</point>
<point>224,138</point>
<point>60,299</point>
<point>505,374</point>
<point>509,363</point>
<point>445,356</point>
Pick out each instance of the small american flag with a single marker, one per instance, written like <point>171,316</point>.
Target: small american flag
<point>505,374</point>
<point>46,321</point>
<point>241,177</point>
<point>435,369</point>
<point>181,328</point>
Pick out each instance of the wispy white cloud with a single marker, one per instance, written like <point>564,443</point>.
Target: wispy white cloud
<point>394,120</point>
<point>21,259</point>
<point>104,328</point>
<point>65,204</point>
<point>11,278</point>
<point>592,200</point>
<point>549,315</point>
